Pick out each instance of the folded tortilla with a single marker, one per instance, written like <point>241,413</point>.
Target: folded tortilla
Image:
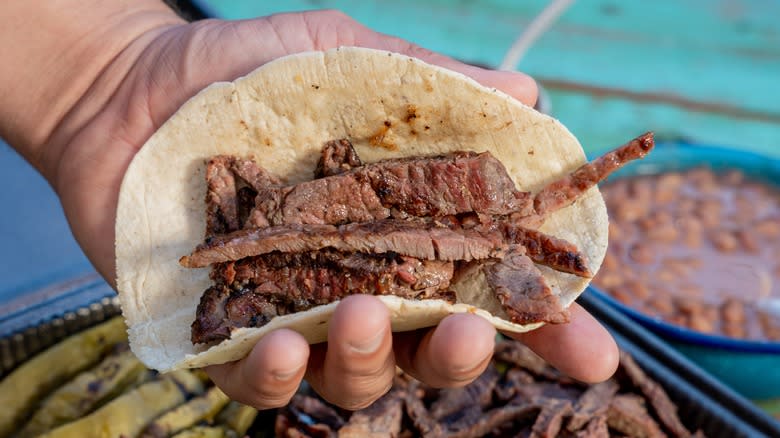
<point>388,105</point>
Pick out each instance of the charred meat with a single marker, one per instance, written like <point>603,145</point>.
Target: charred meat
<point>404,227</point>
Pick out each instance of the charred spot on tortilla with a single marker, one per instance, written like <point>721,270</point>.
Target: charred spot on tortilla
<point>408,227</point>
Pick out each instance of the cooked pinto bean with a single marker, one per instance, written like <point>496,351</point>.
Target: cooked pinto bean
<point>695,248</point>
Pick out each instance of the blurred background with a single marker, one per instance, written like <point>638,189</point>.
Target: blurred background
<point>693,71</point>
<point>703,71</point>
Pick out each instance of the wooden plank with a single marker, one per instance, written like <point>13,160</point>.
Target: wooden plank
<point>698,69</point>
<point>602,122</point>
<point>707,51</point>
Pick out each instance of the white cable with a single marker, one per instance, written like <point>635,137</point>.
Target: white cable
<point>535,29</point>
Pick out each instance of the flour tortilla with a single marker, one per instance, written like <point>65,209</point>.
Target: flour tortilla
<point>387,105</point>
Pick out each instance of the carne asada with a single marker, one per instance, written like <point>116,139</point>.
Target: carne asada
<point>421,162</point>
<point>540,405</point>
<point>392,227</point>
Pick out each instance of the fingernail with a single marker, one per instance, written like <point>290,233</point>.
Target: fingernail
<point>368,346</point>
<point>286,374</point>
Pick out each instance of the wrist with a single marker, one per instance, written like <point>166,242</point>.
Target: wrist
<point>65,59</point>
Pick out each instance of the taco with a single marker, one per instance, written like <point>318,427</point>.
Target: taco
<point>517,205</point>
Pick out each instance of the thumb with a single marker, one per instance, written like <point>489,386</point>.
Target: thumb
<point>229,49</point>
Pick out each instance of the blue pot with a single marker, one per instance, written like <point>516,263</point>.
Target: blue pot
<point>750,367</point>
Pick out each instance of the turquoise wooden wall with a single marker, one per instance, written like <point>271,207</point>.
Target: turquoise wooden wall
<point>701,70</point>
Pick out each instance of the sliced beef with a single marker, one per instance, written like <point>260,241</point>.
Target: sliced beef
<point>478,394</point>
<point>565,191</point>
<point>548,422</point>
<point>425,239</point>
<point>421,239</point>
<point>659,399</point>
<point>232,184</point>
<point>421,419</point>
<point>252,291</point>
<point>547,250</point>
<point>459,182</point>
<point>338,156</point>
<point>541,406</point>
<point>522,290</point>
<point>380,420</point>
<point>594,402</point>
<point>221,202</point>
<point>596,428</point>
<point>307,416</point>
<point>391,227</point>
<point>494,418</point>
<point>514,379</point>
<point>627,414</point>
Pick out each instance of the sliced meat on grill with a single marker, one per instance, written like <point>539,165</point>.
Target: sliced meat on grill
<point>381,419</point>
<point>494,418</point>
<point>423,239</point>
<point>421,419</point>
<point>565,191</point>
<point>627,414</point>
<point>251,291</point>
<point>594,402</point>
<point>338,156</point>
<point>478,394</point>
<point>548,422</point>
<point>522,290</point>
<point>459,182</point>
<point>596,428</point>
<point>307,416</point>
<point>663,406</point>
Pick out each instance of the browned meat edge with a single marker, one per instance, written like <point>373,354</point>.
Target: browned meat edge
<point>459,182</point>
<point>415,238</point>
<point>252,291</point>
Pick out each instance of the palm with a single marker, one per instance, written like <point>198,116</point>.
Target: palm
<point>168,66</point>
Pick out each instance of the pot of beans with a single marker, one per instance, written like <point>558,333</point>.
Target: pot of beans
<point>694,255</point>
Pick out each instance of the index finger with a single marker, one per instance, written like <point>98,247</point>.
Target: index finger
<point>583,349</point>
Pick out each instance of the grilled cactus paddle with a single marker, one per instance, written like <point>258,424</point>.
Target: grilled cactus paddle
<point>204,407</point>
<point>85,392</point>
<point>237,417</point>
<point>23,388</point>
<point>128,414</point>
<point>203,432</point>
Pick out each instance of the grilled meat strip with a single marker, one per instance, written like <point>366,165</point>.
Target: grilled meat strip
<point>251,291</point>
<point>389,227</point>
<point>430,240</point>
<point>563,192</point>
<point>459,182</point>
<point>338,156</point>
<point>232,185</point>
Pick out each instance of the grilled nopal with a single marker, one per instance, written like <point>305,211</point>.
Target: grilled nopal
<point>389,107</point>
<point>410,226</point>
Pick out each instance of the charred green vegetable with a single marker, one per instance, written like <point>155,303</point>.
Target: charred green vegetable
<point>237,417</point>
<point>198,409</point>
<point>23,388</point>
<point>128,414</point>
<point>85,392</point>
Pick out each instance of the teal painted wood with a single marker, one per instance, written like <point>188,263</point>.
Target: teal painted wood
<point>705,70</point>
<point>601,123</point>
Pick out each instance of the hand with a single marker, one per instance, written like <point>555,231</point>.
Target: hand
<point>87,152</point>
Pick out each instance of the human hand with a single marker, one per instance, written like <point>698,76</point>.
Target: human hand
<point>88,150</point>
